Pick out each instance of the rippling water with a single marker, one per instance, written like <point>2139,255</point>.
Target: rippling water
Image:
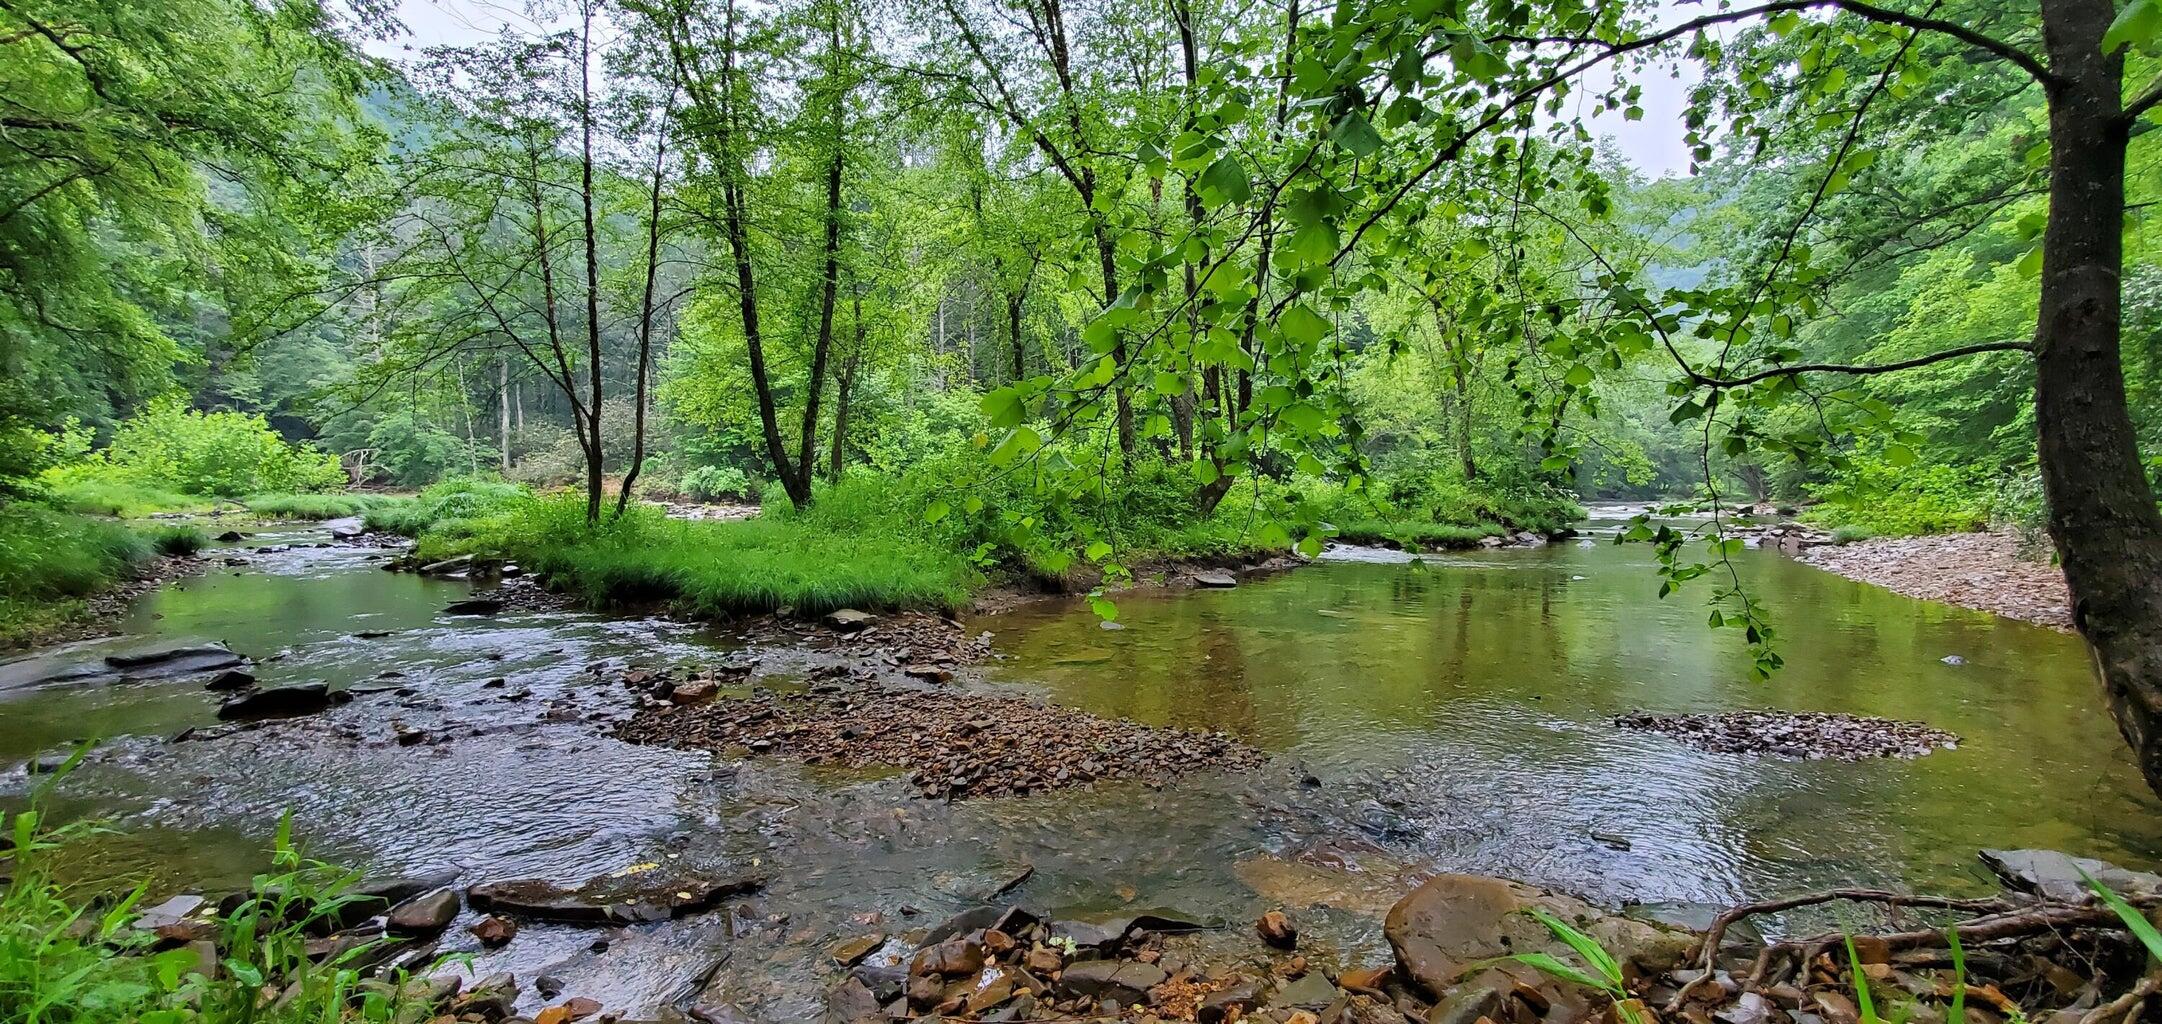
<point>1454,709</point>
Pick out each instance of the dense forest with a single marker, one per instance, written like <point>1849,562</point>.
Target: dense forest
<point>760,311</point>
<point>1069,287</point>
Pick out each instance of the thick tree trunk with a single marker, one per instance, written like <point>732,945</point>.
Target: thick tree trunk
<point>594,452</point>
<point>2102,512</point>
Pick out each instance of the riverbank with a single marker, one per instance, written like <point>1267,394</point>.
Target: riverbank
<point>1990,571</point>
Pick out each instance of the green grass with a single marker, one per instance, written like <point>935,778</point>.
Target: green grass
<point>735,568</point>
<point>316,506</point>
<point>108,496</point>
<point>51,560</point>
<point>457,498</point>
<point>1410,534</point>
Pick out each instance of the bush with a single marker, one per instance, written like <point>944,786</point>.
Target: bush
<point>1887,498</point>
<point>711,483</point>
<point>177,540</point>
<point>456,498</point>
<point>222,454</point>
<point>109,494</point>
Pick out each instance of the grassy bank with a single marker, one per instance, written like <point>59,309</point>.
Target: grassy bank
<point>52,562</point>
<point>868,542</point>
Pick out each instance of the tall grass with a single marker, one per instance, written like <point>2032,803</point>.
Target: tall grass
<point>50,560</point>
<point>316,506</point>
<point>123,499</point>
<point>734,568</point>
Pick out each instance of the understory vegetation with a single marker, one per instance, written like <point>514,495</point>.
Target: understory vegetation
<point>75,958</point>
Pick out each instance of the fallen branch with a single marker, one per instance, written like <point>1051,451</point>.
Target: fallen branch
<point>1707,951</point>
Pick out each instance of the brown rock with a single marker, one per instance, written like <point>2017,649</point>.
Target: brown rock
<point>494,931</point>
<point>1276,929</point>
<point>951,958</point>
<point>1123,980</point>
<point>695,692</point>
<point>1043,961</point>
<point>850,952</point>
<point>997,943</point>
<point>1454,921</point>
<point>1370,979</point>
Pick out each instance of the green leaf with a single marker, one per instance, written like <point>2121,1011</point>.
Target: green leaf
<point>936,511</point>
<point>1097,550</point>
<point>1169,383</point>
<point>1302,325</point>
<point>1353,132</point>
<point>1551,964</point>
<point>1227,179</point>
<point>1579,375</point>
<point>1004,408</point>
<point>2134,921</point>
<point>2137,25</point>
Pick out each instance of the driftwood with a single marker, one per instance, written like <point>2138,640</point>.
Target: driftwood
<point>1997,918</point>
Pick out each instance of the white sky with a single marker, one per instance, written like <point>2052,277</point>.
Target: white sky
<point>1652,145</point>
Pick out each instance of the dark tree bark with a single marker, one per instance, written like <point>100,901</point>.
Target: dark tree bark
<point>2102,512</point>
<point>645,306</point>
<point>594,452</point>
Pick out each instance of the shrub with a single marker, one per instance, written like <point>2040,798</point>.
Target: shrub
<point>1892,499</point>
<point>710,483</point>
<point>225,454</point>
<point>316,506</point>
<point>456,498</point>
<point>177,540</point>
<point>110,494</point>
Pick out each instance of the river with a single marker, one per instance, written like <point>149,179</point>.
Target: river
<point>1455,712</point>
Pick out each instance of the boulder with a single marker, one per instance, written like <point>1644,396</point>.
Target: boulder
<point>280,702</point>
<point>231,536</point>
<point>425,915</point>
<point>1127,981</point>
<point>1453,922</point>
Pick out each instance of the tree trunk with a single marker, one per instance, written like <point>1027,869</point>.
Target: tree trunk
<point>2102,512</point>
<point>1463,425</point>
<point>502,405</point>
<point>594,451</point>
<point>645,308</point>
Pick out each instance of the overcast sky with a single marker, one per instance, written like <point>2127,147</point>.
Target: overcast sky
<point>1652,145</point>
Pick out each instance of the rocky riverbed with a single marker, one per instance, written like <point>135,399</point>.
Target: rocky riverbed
<point>1803,735</point>
<point>1993,572</point>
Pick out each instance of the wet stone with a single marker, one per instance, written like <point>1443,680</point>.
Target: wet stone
<point>1804,735</point>
<point>1126,981</point>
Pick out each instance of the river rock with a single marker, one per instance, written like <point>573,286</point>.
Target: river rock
<point>849,620</point>
<point>231,536</point>
<point>175,661</point>
<point>491,998</point>
<point>230,679</point>
<point>850,952</point>
<point>1276,929</point>
<point>425,915</point>
<point>171,912</point>
<point>280,702</point>
<point>853,1002</point>
<point>952,958</point>
<point>1215,580</point>
<point>493,931</point>
<point>448,565</point>
<point>2055,875</point>
<point>474,606</point>
<point>1127,981</point>
<point>1307,992</point>
<point>1454,921</point>
<point>645,896</point>
<point>1236,1000</point>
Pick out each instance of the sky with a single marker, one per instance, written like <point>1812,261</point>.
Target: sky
<point>1653,145</point>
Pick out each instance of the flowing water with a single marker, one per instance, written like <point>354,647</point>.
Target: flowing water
<point>1454,712</point>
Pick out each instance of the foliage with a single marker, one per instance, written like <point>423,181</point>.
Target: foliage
<point>413,452</point>
<point>177,540</point>
<point>453,499</point>
<point>50,560</point>
<point>223,454</point>
<point>1606,973</point>
<point>711,483</point>
<point>64,960</point>
<point>315,506</point>
<point>1886,498</point>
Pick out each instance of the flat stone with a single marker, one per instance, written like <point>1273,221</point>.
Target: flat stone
<point>230,679</point>
<point>850,952</point>
<point>1239,998</point>
<point>1215,580</point>
<point>849,620</point>
<point>630,899</point>
<point>1309,991</point>
<point>1127,981</point>
<point>176,661</point>
<point>425,915</point>
<point>474,606</point>
<point>2055,875</point>
<point>493,931</point>
<point>170,912</point>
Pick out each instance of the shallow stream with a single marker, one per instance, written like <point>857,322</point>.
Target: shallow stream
<point>1455,712</point>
